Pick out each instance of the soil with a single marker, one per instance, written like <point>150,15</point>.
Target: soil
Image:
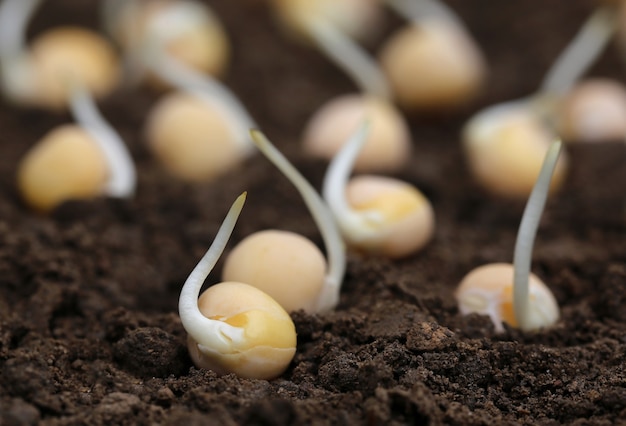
<point>89,331</point>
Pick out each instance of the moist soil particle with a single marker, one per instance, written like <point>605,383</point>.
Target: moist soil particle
<point>89,332</point>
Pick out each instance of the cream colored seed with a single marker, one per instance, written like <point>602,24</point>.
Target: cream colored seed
<point>488,290</point>
<point>404,222</point>
<point>433,65</point>
<point>188,31</point>
<point>594,111</point>
<point>194,140</point>
<point>50,173</point>
<point>234,327</point>
<point>505,147</point>
<point>70,54</point>
<point>269,335</point>
<point>377,214</point>
<point>388,145</point>
<point>511,293</point>
<point>286,266</point>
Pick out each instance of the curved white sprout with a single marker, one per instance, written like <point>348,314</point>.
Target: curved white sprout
<point>581,52</point>
<point>526,236</point>
<point>150,54</point>
<point>212,336</point>
<point>351,58</point>
<point>354,224</point>
<point>322,216</point>
<point>122,175</point>
<point>14,18</point>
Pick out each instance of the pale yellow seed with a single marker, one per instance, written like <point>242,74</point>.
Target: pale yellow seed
<point>269,342</point>
<point>505,153</point>
<point>66,164</point>
<point>433,66</point>
<point>387,147</point>
<point>407,216</point>
<point>193,140</point>
<point>203,47</point>
<point>70,54</point>
<point>355,18</point>
<point>488,290</point>
<point>594,111</point>
<point>285,265</point>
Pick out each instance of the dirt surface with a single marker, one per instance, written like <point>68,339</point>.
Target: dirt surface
<point>89,331</point>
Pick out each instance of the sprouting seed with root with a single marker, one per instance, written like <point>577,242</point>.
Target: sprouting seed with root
<point>388,145</point>
<point>77,161</point>
<point>510,293</point>
<point>234,327</point>
<point>185,29</point>
<point>333,27</point>
<point>38,76</point>
<point>432,64</point>
<point>376,214</point>
<point>285,265</point>
<point>200,131</point>
<point>504,143</point>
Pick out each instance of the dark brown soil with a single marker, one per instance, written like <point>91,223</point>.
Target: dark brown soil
<point>89,331</point>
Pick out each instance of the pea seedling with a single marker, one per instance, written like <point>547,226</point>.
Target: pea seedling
<point>199,132</point>
<point>332,26</point>
<point>38,76</point>
<point>432,64</point>
<point>187,30</point>
<point>388,145</point>
<point>510,293</point>
<point>594,111</point>
<point>504,143</point>
<point>285,265</point>
<point>376,214</point>
<point>234,327</point>
<point>77,161</point>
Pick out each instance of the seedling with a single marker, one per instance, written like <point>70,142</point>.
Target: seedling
<point>432,64</point>
<point>285,265</point>
<point>376,214</point>
<point>185,29</point>
<point>388,146</point>
<point>77,161</point>
<point>201,131</point>
<point>38,76</point>
<point>594,111</point>
<point>510,293</point>
<point>234,327</point>
<point>504,143</point>
<point>332,26</point>
<point>505,146</point>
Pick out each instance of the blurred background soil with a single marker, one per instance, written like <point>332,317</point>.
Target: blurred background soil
<point>89,331</point>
